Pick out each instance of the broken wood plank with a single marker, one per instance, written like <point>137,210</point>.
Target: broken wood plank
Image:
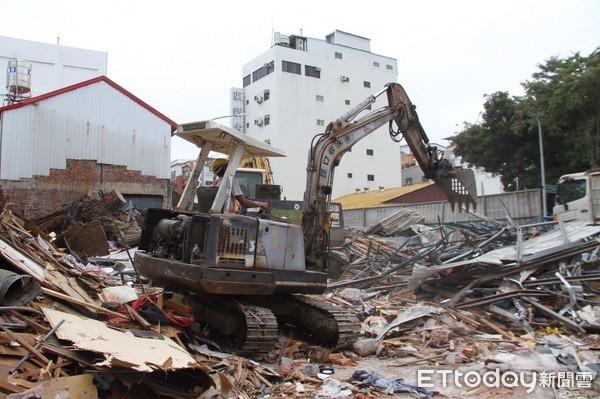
<point>82,303</point>
<point>8,388</point>
<point>85,239</point>
<point>137,317</point>
<point>443,354</point>
<point>497,329</point>
<point>26,345</point>
<point>37,346</point>
<point>22,262</point>
<point>554,315</point>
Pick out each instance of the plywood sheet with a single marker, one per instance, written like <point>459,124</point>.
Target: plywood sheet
<point>120,348</point>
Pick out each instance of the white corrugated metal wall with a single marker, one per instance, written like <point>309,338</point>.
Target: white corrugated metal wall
<point>94,122</point>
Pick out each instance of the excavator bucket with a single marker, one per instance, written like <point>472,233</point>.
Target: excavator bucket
<point>460,188</point>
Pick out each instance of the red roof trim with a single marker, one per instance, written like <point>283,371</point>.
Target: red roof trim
<point>76,86</point>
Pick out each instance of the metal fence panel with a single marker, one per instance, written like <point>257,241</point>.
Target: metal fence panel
<point>522,206</point>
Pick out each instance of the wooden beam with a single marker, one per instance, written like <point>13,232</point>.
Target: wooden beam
<point>88,305</point>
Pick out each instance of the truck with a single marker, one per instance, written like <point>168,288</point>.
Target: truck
<point>246,276</point>
<point>578,197</point>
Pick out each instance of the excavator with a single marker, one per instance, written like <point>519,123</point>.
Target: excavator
<point>248,277</point>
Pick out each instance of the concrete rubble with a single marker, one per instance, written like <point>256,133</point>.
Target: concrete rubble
<point>483,309</point>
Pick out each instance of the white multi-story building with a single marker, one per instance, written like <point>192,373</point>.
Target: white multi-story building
<point>293,90</point>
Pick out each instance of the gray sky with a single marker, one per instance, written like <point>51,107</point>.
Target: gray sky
<point>182,56</point>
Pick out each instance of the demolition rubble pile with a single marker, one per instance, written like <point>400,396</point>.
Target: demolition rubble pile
<point>76,320</point>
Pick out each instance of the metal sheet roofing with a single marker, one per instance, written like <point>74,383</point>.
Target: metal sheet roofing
<point>377,197</point>
<point>76,86</point>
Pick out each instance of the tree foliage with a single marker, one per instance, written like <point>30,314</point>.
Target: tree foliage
<point>564,96</point>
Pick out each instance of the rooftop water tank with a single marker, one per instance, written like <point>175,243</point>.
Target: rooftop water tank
<point>18,77</point>
<point>281,40</point>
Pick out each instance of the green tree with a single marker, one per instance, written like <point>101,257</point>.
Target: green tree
<point>565,96</point>
<point>502,143</point>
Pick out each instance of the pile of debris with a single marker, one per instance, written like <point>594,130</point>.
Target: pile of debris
<point>94,223</point>
<point>506,273</point>
<point>476,298</point>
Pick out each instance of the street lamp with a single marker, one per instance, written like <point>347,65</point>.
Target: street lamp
<point>229,116</point>
<point>544,205</point>
<point>239,127</point>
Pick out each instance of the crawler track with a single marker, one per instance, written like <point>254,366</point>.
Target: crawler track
<point>243,329</point>
<point>329,325</point>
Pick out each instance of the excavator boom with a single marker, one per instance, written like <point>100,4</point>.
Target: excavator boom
<point>343,133</point>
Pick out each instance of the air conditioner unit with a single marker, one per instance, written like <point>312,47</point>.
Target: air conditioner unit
<point>266,65</point>
<point>344,78</point>
<point>317,69</point>
<point>300,44</point>
<point>259,98</point>
<point>259,122</point>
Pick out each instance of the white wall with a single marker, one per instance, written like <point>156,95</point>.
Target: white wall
<point>53,66</point>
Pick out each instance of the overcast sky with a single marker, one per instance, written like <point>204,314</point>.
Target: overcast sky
<point>183,56</point>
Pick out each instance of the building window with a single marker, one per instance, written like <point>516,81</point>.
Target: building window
<point>267,119</point>
<point>369,151</point>
<point>389,67</point>
<point>347,102</point>
<point>266,69</point>
<point>320,98</point>
<point>291,67</point>
<point>371,177</point>
<point>173,175</point>
<point>320,122</point>
<point>312,71</point>
<point>246,81</point>
<point>366,84</point>
<point>349,175</point>
<point>185,171</point>
<point>376,64</point>
<point>267,94</point>
<point>338,55</point>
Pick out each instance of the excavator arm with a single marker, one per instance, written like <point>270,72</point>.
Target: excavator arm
<point>339,137</point>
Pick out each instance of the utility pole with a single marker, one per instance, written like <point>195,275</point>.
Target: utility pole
<point>543,171</point>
